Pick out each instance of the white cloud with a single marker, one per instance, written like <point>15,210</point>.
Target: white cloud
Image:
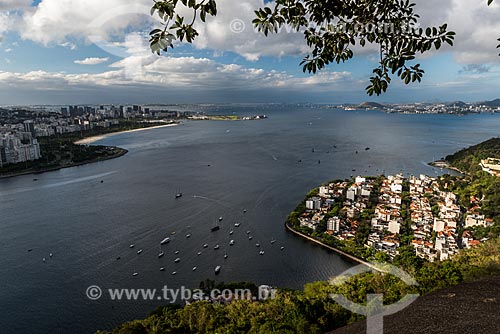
<point>91,61</point>
<point>477,27</point>
<point>5,23</point>
<point>7,5</point>
<point>10,14</point>
<point>232,30</point>
<point>199,74</point>
<point>56,21</point>
<point>64,21</point>
<point>69,45</point>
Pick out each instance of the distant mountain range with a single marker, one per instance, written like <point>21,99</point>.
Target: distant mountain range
<point>457,104</point>
<point>371,105</point>
<point>494,103</point>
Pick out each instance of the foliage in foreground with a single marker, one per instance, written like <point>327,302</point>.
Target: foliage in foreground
<point>331,29</point>
<point>312,310</point>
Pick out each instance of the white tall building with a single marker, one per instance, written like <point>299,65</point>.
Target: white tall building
<point>18,147</point>
<point>333,224</point>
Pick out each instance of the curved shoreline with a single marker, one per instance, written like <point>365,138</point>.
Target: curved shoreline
<point>52,169</point>
<point>88,141</point>
<point>443,164</point>
<point>93,139</point>
<point>342,253</point>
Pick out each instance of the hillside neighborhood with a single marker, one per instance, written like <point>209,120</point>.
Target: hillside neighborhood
<point>415,210</point>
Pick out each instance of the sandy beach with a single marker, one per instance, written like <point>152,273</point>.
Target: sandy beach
<point>90,140</point>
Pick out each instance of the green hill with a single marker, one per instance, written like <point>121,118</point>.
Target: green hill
<point>493,104</point>
<point>468,159</point>
<point>371,105</point>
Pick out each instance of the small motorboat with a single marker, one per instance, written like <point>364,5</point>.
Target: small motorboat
<point>205,245</point>
<point>162,269</point>
<point>217,270</point>
<point>139,251</point>
<point>231,243</point>
<point>216,246</point>
<point>177,260</point>
<point>194,268</point>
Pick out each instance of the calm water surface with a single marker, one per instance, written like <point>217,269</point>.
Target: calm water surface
<point>222,168</point>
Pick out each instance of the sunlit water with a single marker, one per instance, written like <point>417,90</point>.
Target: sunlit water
<point>221,168</point>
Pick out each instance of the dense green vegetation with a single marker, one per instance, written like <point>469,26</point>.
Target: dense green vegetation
<point>60,151</point>
<point>468,159</point>
<point>476,183</point>
<point>312,310</point>
<point>355,247</point>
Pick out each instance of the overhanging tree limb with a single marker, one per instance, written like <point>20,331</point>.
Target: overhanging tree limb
<point>331,29</point>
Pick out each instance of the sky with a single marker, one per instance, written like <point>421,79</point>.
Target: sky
<point>96,51</point>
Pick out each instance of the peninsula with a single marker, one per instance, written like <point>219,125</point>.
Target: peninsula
<point>443,231</point>
<point>36,140</point>
<point>69,149</point>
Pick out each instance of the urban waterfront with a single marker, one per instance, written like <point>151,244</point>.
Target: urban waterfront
<point>222,168</point>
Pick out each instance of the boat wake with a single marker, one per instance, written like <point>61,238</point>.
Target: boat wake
<point>58,184</point>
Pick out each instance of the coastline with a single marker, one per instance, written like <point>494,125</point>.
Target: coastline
<point>93,139</point>
<point>121,153</point>
<point>87,141</point>
<point>443,164</point>
<point>342,253</point>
